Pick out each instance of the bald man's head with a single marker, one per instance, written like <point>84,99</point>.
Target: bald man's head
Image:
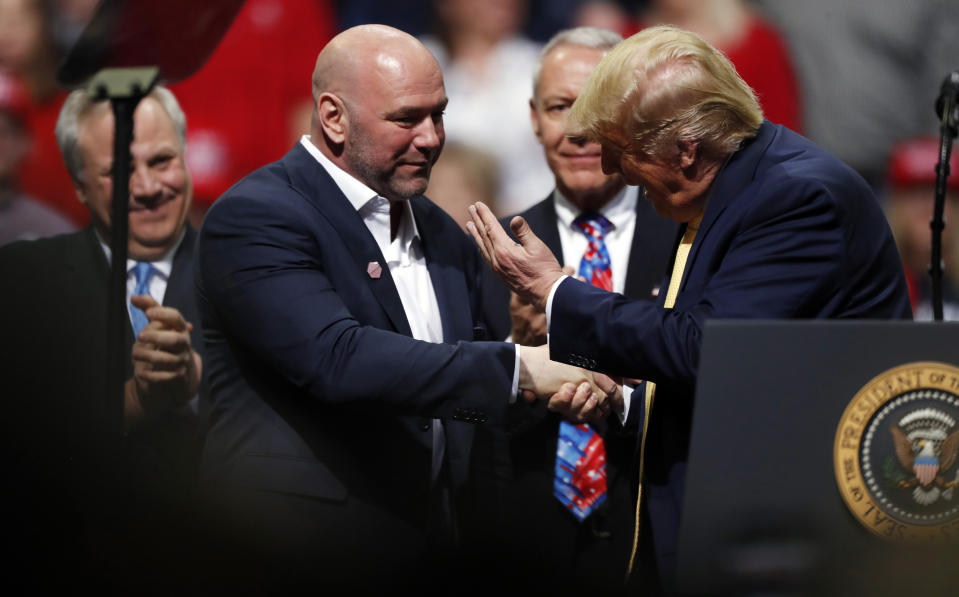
<point>379,99</point>
<point>359,49</point>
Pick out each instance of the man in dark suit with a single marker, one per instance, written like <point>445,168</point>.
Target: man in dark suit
<point>556,547</point>
<point>335,301</point>
<point>54,318</point>
<point>773,227</point>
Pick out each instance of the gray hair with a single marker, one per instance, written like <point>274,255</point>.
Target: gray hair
<point>78,105</point>
<point>587,37</point>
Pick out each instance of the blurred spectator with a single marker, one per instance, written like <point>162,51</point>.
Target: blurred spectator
<point>487,67</point>
<point>910,195</point>
<point>604,14</point>
<point>412,16</point>
<point>462,176</point>
<point>869,71</point>
<point>21,217</point>
<point>752,43</point>
<point>29,53</point>
<point>249,104</point>
<point>546,17</point>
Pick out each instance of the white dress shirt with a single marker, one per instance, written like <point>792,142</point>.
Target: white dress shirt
<point>620,211</point>
<point>160,278</point>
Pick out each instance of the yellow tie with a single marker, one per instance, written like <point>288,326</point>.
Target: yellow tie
<point>675,278</point>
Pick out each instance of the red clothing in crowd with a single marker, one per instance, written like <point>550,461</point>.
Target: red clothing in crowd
<point>762,60</point>
<point>42,174</point>
<point>239,106</point>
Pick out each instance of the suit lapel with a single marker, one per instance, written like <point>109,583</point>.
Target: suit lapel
<point>735,175</point>
<point>654,240</point>
<point>447,277</point>
<point>309,178</point>
<point>180,285</point>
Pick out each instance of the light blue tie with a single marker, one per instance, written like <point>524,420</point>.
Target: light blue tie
<point>142,271</point>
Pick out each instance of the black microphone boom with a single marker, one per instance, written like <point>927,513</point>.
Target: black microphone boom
<point>947,109</point>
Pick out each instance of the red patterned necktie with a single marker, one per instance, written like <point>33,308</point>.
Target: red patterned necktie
<point>580,473</point>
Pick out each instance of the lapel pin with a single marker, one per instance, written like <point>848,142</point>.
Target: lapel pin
<point>374,270</point>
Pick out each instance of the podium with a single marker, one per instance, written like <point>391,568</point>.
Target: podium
<point>780,405</point>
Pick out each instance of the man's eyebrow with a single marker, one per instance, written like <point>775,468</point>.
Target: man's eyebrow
<point>407,111</point>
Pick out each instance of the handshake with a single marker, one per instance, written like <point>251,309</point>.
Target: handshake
<point>577,394</point>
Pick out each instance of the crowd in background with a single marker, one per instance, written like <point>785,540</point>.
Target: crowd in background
<point>858,78</point>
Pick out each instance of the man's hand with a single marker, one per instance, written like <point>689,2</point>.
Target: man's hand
<point>528,267</point>
<point>166,369</point>
<point>591,395</point>
<point>573,402</point>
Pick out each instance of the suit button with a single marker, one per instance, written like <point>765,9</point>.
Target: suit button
<point>425,426</point>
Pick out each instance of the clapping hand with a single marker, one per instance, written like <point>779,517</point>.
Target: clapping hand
<point>166,369</point>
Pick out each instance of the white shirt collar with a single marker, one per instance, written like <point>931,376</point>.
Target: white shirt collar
<point>365,200</point>
<point>617,210</point>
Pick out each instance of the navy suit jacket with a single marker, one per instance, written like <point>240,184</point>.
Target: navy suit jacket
<point>320,396</point>
<point>554,546</point>
<point>788,232</point>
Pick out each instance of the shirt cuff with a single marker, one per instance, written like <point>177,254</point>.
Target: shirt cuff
<point>549,302</point>
<point>514,392</point>
<point>627,398</point>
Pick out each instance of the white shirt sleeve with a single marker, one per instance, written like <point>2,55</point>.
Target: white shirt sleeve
<point>549,302</point>
<point>514,392</point>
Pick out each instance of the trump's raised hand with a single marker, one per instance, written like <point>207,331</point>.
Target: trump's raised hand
<point>528,267</point>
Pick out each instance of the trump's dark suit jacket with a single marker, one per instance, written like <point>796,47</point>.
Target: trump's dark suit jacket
<point>556,549</point>
<point>85,488</point>
<point>321,399</point>
<point>788,232</point>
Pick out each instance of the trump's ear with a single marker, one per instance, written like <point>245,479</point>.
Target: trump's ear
<point>332,118</point>
<point>688,152</point>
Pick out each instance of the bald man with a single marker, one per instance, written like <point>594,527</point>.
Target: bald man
<point>336,300</point>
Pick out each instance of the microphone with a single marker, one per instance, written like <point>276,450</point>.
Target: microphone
<point>947,104</point>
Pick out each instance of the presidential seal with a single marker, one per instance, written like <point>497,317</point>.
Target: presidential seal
<point>895,453</point>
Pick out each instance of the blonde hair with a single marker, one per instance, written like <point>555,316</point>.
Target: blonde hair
<point>663,85</point>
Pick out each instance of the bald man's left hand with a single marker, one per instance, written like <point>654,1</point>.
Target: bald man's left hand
<point>528,267</point>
